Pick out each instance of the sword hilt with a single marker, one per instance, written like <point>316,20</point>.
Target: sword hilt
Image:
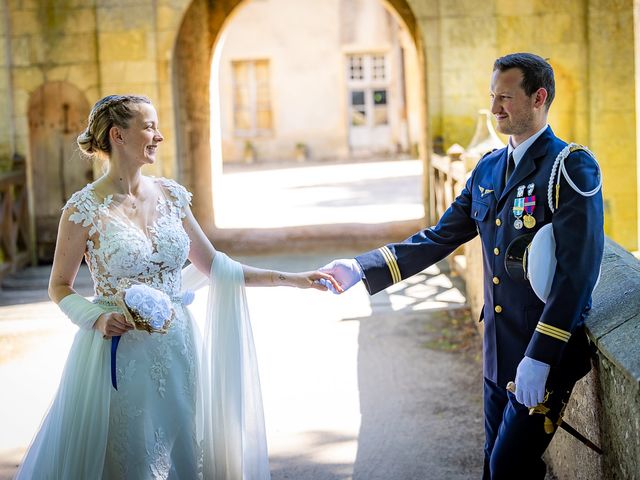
<point>541,409</point>
<point>549,425</point>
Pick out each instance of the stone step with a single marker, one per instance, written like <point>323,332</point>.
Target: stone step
<point>30,285</point>
<point>37,278</point>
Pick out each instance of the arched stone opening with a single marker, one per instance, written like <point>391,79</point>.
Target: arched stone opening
<point>199,32</point>
<point>57,112</point>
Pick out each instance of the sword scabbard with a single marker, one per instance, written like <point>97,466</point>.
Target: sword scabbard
<point>578,436</point>
<point>549,425</point>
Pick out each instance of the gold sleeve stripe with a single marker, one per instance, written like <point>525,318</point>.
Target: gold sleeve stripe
<point>559,331</point>
<point>391,264</point>
<point>554,332</point>
<point>553,335</point>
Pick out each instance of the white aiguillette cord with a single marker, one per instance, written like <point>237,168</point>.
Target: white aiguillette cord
<point>559,163</point>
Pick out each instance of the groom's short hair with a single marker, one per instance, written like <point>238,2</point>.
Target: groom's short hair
<point>536,73</point>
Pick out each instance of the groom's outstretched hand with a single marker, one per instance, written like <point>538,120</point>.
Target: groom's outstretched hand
<point>346,271</point>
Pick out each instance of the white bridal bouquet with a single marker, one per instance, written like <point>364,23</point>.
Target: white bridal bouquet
<point>145,307</point>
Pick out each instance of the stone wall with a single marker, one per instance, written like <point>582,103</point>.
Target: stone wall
<point>100,47</point>
<point>605,405</point>
<point>47,43</point>
<point>612,113</point>
<point>7,134</point>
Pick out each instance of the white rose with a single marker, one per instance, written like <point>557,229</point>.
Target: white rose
<point>133,297</point>
<point>146,307</point>
<point>156,321</point>
<point>161,312</point>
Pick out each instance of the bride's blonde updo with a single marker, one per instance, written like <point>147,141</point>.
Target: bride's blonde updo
<point>110,111</point>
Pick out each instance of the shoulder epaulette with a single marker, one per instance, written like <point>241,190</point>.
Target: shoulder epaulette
<point>488,153</point>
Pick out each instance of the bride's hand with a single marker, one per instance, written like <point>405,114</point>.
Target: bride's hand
<point>312,280</point>
<point>112,324</point>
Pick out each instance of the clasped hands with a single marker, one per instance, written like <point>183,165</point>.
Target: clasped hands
<point>346,271</point>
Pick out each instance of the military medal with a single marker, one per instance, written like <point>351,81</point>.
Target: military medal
<point>518,207</point>
<point>518,210</point>
<point>530,188</point>
<point>529,221</point>
<point>529,205</point>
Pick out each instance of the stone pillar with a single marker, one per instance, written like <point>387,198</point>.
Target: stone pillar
<point>191,76</point>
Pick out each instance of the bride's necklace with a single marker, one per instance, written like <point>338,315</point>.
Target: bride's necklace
<point>131,198</point>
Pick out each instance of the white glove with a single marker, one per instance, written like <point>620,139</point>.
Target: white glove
<point>531,378</point>
<point>80,310</point>
<point>346,271</point>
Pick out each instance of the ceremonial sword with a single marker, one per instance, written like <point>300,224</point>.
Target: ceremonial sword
<point>541,408</point>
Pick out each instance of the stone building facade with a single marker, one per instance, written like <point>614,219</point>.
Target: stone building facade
<point>58,57</point>
<point>295,81</point>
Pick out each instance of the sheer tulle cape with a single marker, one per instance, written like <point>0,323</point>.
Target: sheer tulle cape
<point>72,440</point>
<point>232,418</point>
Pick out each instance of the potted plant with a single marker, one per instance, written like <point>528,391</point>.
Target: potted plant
<point>301,151</point>
<point>249,152</point>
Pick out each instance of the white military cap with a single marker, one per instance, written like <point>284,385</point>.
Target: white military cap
<point>530,258</point>
<point>541,262</point>
<point>533,258</point>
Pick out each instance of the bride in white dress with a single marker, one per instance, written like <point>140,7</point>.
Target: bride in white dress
<point>184,408</point>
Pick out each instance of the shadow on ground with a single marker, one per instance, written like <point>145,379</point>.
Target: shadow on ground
<point>420,380</point>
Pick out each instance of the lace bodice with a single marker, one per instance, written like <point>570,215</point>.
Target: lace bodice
<point>118,248</point>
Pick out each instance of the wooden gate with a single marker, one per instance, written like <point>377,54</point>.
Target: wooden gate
<point>57,114</point>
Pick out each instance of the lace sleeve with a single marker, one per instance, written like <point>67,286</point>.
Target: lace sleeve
<point>180,195</point>
<point>85,209</point>
<point>82,209</point>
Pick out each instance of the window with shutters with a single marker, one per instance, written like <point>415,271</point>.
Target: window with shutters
<point>368,86</point>
<point>252,115</point>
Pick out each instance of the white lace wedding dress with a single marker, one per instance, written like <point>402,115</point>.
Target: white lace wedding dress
<point>183,409</point>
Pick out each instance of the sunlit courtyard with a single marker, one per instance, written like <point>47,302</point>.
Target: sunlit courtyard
<point>296,195</point>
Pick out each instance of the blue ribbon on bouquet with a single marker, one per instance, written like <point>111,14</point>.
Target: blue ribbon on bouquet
<point>185,299</point>
<point>114,348</point>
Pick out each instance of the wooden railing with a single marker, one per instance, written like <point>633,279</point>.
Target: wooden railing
<point>16,247</point>
<point>448,175</point>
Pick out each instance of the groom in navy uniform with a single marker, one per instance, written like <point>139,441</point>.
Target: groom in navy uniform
<point>505,200</point>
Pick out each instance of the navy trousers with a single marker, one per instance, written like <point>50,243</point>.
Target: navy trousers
<point>515,440</point>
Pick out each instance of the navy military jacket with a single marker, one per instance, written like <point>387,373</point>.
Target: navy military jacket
<point>517,323</point>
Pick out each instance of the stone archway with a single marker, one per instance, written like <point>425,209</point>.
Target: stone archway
<point>57,112</point>
<point>201,27</point>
